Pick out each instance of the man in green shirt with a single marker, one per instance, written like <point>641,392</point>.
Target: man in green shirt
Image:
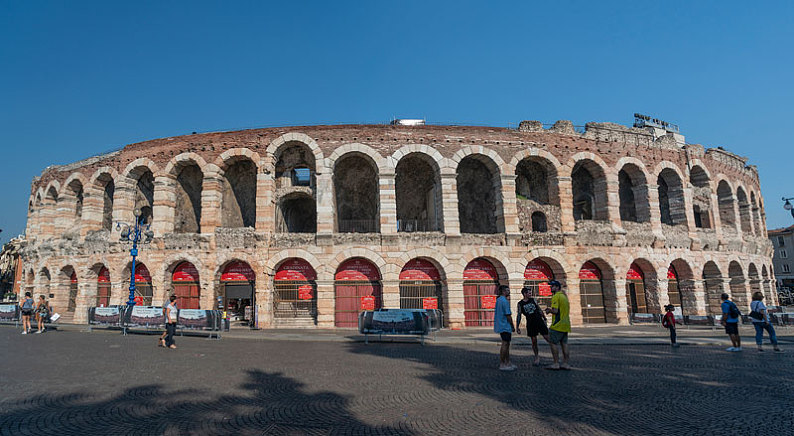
<point>560,325</point>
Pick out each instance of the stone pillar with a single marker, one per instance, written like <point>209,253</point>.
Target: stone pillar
<point>391,294</point>
<point>618,311</point>
<point>163,210</point>
<point>388,202</point>
<point>663,292</point>
<point>656,215</point>
<point>47,216</point>
<point>265,202</point>
<point>264,301</point>
<point>324,198</point>
<point>698,291</point>
<point>571,287</point>
<point>566,205</point>
<point>509,204</point>
<point>613,200</point>
<point>454,312</point>
<point>93,204</point>
<point>326,304</point>
<point>449,196</point>
<point>86,297</point>
<point>211,198</point>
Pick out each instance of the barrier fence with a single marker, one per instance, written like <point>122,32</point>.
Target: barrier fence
<point>419,322</point>
<point>152,317</point>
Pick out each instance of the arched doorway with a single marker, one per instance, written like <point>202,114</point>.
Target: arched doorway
<point>591,291</point>
<point>536,277</point>
<point>186,286</point>
<point>420,285</point>
<point>357,287</point>
<point>295,291</point>
<point>673,291</point>
<point>636,299</point>
<point>237,284</point>
<point>103,288</point>
<point>480,282</point>
<point>72,292</point>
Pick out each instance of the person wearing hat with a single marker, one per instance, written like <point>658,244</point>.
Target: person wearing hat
<point>669,323</point>
<point>536,320</point>
<point>560,325</point>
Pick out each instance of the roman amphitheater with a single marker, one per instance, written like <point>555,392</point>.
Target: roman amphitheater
<point>306,226</point>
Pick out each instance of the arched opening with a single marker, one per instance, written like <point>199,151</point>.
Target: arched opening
<point>701,197</point>
<point>143,284</point>
<point>712,283</point>
<point>295,166</point>
<point>754,212</point>
<point>726,207</point>
<point>108,191</point>
<point>73,288</point>
<point>238,205</point>
<point>539,222</point>
<point>298,214</point>
<point>755,280</point>
<point>420,286</point>
<point>633,194</point>
<point>637,298</point>
<point>591,291</point>
<point>479,195</point>
<point>744,211</point>
<point>187,209</point>
<point>356,189</point>
<point>738,285</point>
<point>44,283</point>
<point>536,277</point>
<point>673,291</point>
<point>75,197</point>
<point>671,198</point>
<point>681,288</point>
<point>480,282</point>
<point>295,291</point>
<point>418,194</point>
<point>144,193</point>
<point>30,283</point>
<point>103,288</point>
<point>537,193</point>
<point>765,283</point>
<point>589,188</point>
<point>187,286</point>
<point>357,287</point>
<point>238,298</point>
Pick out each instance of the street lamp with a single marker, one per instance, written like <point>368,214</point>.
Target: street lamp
<point>787,205</point>
<point>133,233</point>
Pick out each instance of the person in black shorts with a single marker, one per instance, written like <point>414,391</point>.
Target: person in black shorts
<point>536,320</point>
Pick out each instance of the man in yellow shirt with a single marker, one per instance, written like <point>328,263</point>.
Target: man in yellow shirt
<point>560,325</point>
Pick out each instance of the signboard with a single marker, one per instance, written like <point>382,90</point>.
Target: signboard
<point>305,292</point>
<point>196,319</point>
<point>488,301</point>
<point>295,270</point>
<point>634,273</point>
<point>480,269</point>
<point>357,269</point>
<point>544,290</point>
<point>104,315</point>
<point>419,269</point>
<point>538,270</point>
<point>394,321</point>
<point>142,274</point>
<point>138,300</point>
<point>368,302</point>
<point>671,274</point>
<point>185,272</point>
<point>430,303</point>
<point>589,272</point>
<point>238,271</point>
<point>103,276</point>
<point>144,316</point>
<point>9,312</point>
<point>73,277</point>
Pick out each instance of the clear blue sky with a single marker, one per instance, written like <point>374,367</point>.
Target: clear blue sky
<point>79,78</point>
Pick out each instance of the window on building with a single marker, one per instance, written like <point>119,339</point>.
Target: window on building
<point>783,254</point>
<point>781,242</point>
<point>786,268</point>
<point>301,177</point>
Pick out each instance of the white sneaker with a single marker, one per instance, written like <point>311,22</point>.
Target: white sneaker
<point>737,349</point>
<point>25,332</point>
<point>730,349</point>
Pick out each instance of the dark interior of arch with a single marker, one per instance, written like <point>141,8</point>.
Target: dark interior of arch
<point>671,198</point>
<point>725,200</point>
<point>418,193</point>
<point>356,195</point>
<point>187,211</point>
<point>532,181</point>
<point>77,189</point>
<point>298,214</point>
<point>476,197</point>
<point>144,196</point>
<point>628,208</point>
<point>107,205</point>
<point>539,222</point>
<point>744,210</point>
<point>295,155</point>
<point>238,204</point>
<point>583,188</point>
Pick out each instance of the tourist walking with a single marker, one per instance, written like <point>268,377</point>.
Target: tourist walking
<point>43,311</point>
<point>170,322</point>
<point>26,307</point>
<point>503,324</point>
<point>761,322</point>
<point>668,321</point>
<point>560,326</point>
<point>536,320</point>
<point>730,320</point>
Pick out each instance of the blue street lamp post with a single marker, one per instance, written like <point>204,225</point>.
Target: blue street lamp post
<point>133,234</point>
<point>787,205</point>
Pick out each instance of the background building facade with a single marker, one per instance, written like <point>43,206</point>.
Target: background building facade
<point>783,244</point>
<point>305,226</point>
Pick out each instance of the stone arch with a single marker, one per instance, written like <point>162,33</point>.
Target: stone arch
<point>744,210</point>
<point>356,184</point>
<point>388,271</point>
<point>278,258</point>
<point>184,159</point>
<point>233,155</point>
<point>377,159</point>
<point>765,284</point>
<point>274,149</point>
<point>754,279</point>
<point>609,292</point>
<point>559,266</point>
<point>684,285</point>
<point>186,172</point>
<point>537,189</point>
<point>725,200</point>
<point>672,206</point>
<point>633,190</point>
<point>589,187</point>
<point>479,189</point>
<point>533,152</point>
<point>137,188</point>
<point>439,161</point>
<point>52,190</point>
<point>102,184</point>
<point>418,195</point>
<point>74,195</point>
<point>737,284</point>
<point>134,169</point>
<point>497,258</point>
<point>238,172</point>
<point>68,291</point>
<point>700,181</point>
<point>651,289</point>
<point>755,215</point>
<point>170,263</point>
<point>439,260</point>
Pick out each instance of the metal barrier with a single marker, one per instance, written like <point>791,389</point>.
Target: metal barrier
<point>413,322</point>
<point>153,318</point>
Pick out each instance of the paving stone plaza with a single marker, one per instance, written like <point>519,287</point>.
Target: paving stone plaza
<point>103,383</point>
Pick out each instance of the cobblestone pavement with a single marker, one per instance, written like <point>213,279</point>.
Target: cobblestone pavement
<point>102,383</point>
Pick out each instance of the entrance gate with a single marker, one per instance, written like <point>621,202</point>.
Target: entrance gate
<point>239,305</point>
<point>536,277</point>
<point>592,294</point>
<point>420,286</point>
<point>103,288</point>
<point>673,292</point>
<point>357,288</point>
<point>72,292</point>
<point>635,290</point>
<point>143,284</point>
<point>480,282</point>
<point>186,286</point>
<point>294,291</point>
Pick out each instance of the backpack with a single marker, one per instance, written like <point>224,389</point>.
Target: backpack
<point>28,304</point>
<point>733,311</point>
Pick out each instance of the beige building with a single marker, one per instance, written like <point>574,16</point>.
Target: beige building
<point>306,226</point>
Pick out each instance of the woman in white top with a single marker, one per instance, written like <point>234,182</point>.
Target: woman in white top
<point>170,322</point>
<point>762,323</point>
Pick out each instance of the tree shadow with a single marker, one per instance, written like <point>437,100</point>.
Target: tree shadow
<point>267,403</point>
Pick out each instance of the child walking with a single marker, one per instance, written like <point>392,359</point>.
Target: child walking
<point>669,323</point>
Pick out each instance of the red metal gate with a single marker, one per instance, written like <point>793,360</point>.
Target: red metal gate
<point>481,281</point>
<point>357,287</point>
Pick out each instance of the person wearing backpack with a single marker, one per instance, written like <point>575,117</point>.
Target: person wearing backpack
<point>42,313</point>
<point>669,323</point>
<point>27,310</point>
<point>761,322</point>
<point>730,320</point>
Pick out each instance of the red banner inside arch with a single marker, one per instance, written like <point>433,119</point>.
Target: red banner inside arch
<point>73,277</point>
<point>295,270</point>
<point>104,276</point>
<point>419,269</point>
<point>142,274</point>
<point>671,274</point>
<point>538,270</point>
<point>480,269</point>
<point>185,272</point>
<point>238,271</point>
<point>589,271</point>
<point>357,269</point>
<point>634,273</point>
